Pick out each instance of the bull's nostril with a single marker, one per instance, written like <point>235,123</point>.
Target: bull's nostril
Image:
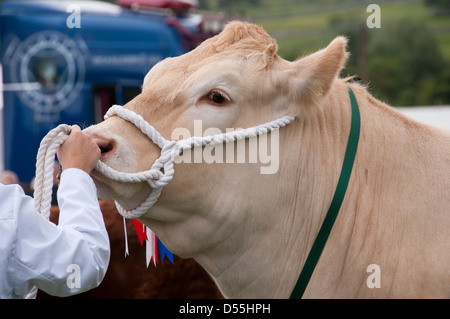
<point>105,145</point>
<point>107,148</point>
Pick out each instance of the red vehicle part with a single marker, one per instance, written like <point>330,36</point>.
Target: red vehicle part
<point>175,5</point>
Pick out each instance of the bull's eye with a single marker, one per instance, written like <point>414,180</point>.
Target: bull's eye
<point>216,97</point>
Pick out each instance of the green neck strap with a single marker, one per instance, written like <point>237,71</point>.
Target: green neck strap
<point>335,205</point>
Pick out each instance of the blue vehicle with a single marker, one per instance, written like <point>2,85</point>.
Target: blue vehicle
<point>69,61</point>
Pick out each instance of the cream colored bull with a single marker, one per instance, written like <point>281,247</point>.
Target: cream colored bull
<point>252,232</point>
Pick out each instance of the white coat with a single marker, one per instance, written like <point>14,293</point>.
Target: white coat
<point>62,259</point>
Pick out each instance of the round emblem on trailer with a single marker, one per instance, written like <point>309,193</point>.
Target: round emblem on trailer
<point>56,62</point>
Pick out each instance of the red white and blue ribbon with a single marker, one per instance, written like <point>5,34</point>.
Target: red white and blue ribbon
<point>153,244</point>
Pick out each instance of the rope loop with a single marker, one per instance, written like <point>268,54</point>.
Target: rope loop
<point>160,173</point>
<point>44,168</point>
<point>155,177</point>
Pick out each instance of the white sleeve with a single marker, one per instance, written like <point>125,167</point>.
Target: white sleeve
<point>69,258</point>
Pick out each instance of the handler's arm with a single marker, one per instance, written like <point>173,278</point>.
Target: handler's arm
<point>69,258</point>
<point>72,257</point>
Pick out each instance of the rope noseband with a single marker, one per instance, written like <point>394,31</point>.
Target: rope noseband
<point>169,150</point>
<point>155,177</point>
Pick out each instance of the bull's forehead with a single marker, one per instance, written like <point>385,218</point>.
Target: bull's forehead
<point>239,45</point>
<point>177,78</point>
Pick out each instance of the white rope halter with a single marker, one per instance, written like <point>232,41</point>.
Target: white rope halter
<point>154,176</point>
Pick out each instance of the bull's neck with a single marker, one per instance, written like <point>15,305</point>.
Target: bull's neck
<point>390,148</point>
<point>270,237</point>
<point>254,238</point>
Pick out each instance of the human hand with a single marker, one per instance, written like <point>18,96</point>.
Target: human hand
<point>78,151</point>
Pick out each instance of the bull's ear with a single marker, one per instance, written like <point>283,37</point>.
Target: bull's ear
<point>316,72</point>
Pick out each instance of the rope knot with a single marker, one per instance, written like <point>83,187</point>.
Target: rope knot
<point>159,175</point>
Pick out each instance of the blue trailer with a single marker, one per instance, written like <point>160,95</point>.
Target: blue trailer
<point>69,61</point>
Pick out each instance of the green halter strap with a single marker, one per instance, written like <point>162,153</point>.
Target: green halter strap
<point>335,205</point>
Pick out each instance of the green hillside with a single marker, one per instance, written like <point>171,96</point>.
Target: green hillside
<point>310,23</point>
<point>407,60</point>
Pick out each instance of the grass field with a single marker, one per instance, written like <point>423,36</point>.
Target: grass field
<point>304,26</point>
